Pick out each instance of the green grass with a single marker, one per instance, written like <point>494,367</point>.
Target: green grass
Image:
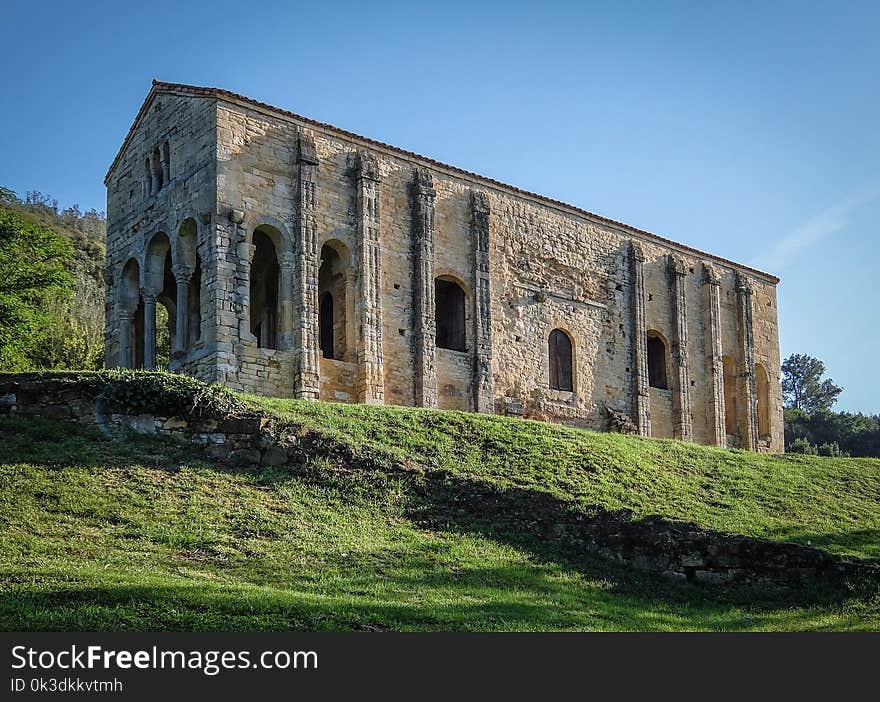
<point>828,503</point>
<point>144,534</point>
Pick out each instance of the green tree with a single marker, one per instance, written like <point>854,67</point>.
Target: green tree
<point>33,274</point>
<point>803,387</point>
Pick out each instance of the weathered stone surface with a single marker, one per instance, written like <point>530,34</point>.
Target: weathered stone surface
<point>526,265</point>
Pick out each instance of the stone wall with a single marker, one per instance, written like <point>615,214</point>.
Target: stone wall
<point>527,265</point>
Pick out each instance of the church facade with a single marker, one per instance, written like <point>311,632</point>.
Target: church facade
<point>286,257</point>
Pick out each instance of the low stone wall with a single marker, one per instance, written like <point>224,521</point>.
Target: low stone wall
<point>675,549</point>
<point>239,440</point>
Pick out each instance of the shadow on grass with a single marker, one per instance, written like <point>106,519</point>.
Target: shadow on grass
<point>534,522</point>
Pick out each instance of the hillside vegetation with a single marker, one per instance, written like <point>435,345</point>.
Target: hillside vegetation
<point>143,533</point>
<point>51,284</point>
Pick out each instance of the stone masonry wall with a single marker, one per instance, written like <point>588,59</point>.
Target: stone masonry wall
<point>399,221</point>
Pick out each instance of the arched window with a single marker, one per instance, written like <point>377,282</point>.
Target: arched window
<point>131,330</point>
<point>333,312</point>
<point>561,370</point>
<point>657,362</point>
<point>264,291</point>
<point>730,409</point>
<point>762,388</point>
<point>449,313</point>
<point>325,323</point>
<point>157,170</point>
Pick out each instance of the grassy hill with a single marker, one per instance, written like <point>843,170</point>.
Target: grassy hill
<point>147,534</point>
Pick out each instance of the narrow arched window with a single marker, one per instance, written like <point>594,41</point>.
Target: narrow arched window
<point>657,363</point>
<point>157,170</point>
<point>449,314</point>
<point>325,324</point>
<point>561,371</point>
<point>264,291</point>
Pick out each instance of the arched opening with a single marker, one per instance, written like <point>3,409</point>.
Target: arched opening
<point>157,171</point>
<point>762,388</point>
<point>657,377</point>
<point>561,361</point>
<point>730,408</point>
<point>325,322</point>
<point>332,297</point>
<point>131,320</point>
<point>190,327</point>
<point>159,281</point>
<point>449,314</point>
<point>265,277</point>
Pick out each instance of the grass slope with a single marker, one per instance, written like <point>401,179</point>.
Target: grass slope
<point>144,534</point>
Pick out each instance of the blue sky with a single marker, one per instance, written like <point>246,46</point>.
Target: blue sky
<point>747,129</point>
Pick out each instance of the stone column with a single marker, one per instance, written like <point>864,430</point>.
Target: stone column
<point>286,272</point>
<point>126,340</point>
<point>371,363</point>
<point>483,385</point>
<point>306,382</point>
<point>682,422</point>
<point>149,298</point>
<point>423,289</point>
<point>641,395</point>
<point>182,275</point>
<point>712,296</point>
<point>747,361</point>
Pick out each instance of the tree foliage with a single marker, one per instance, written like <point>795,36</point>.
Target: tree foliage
<point>827,433</point>
<point>803,387</point>
<point>51,284</point>
<point>33,275</point>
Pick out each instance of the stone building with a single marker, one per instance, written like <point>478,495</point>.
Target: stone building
<point>300,260</point>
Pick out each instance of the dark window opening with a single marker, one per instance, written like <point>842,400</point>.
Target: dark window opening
<point>561,375</point>
<point>157,170</point>
<point>264,292</point>
<point>657,363</point>
<point>325,323</point>
<point>449,315</point>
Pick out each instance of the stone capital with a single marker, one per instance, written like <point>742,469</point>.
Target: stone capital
<point>710,274</point>
<point>636,252</point>
<point>368,166</point>
<point>307,151</point>
<point>480,202</point>
<point>743,285</point>
<point>182,274</point>
<point>677,266</point>
<point>423,183</point>
<point>149,296</point>
<point>236,216</point>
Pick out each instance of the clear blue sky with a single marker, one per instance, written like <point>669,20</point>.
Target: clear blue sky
<point>748,129</point>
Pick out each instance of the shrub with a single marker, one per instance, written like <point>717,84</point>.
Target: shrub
<point>801,445</point>
<point>164,393</point>
<point>831,449</point>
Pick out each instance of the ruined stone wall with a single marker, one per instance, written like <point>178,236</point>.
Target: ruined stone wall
<point>527,266</point>
<point>137,213</point>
